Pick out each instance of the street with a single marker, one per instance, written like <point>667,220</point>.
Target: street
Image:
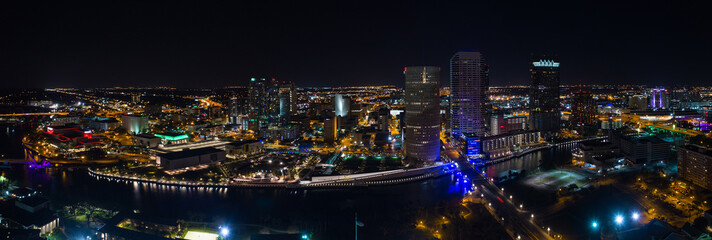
<point>518,222</point>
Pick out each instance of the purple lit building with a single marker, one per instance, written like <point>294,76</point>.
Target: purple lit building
<point>659,99</point>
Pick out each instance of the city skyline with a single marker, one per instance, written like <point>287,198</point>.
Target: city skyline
<point>531,120</point>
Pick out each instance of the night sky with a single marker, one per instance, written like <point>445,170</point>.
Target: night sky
<point>339,43</point>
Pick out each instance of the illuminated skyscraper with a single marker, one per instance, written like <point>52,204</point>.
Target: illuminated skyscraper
<point>341,105</point>
<point>659,99</point>
<point>422,113</point>
<point>263,100</point>
<point>469,82</point>
<point>287,99</point>
<point>544,103</point>
<point>584,111</point>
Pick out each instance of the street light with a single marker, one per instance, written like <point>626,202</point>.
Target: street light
<point>224,231</point>
<point>619,219</point>
<point>594,224</point>
<point>636,216</point>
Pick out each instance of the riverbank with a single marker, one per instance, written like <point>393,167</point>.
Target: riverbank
<point>353,180</point>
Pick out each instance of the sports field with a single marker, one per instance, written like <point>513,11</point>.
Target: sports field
<point>555,179</point>
<point>195,235</point>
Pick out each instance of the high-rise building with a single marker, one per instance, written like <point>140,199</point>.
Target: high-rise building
<point>584,111</point>
<point>287,99</point>
<point>233,110</point>
<point>263,100</point>
<point>695,165</point>
<point>544,103</point>
<point>469,82</point>
<point>341,105</point>
<point>384,118</point>
<point>330,129</point>
<point>659,99</point>
<point>422,110</point>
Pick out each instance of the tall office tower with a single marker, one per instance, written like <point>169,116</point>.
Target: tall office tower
<point>469,82</point>
<point>287,99</point>
<point>233,110</point>
<point>384,118</point>
<point>659,99</point>
<point>341,105</point>
<point>330,129</point>
<point>263,99</point>
<point>544,104</point>
<point>422,110</point>
<point>584,111</point>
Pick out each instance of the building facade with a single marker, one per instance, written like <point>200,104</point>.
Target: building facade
<point>695,165</point>
<point>659,99</point>
<point>502,123</point>
<point>469,82</point>
<point>544,103</point>
<point>263,100</point>
<point>422,110</point>
<point>583,110</point>
<point>135,124</point>
<point>342,105</point>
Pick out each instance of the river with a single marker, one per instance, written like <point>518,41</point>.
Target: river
<point>327,213</point>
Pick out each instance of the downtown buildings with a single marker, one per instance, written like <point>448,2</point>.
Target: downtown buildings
<point>422,113</point>
<point>469,82</point>
<point>544,103</point>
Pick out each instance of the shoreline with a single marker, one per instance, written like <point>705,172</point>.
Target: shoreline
<point>378,180</point>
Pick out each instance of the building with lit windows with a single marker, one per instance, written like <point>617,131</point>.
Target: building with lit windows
<point>583,110</point>
<point>469,82</point>
<point>330,129</point>
<point>695,165</point>
<point>422,113</point>
<point>287,99</point>
<point>503,123</point>
<point>544,103</point>
<point>263,100</point>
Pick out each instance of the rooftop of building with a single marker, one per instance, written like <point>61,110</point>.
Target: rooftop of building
<point>189,153</point>
<point>25,218</point>
<point>23,191</point>
<point>170,134</point>
<point>133,115</point>
<point>105,120</point>
<point>33,201</point>
<point>699,149</point>
<point>512,133</point>
<point>146,135</point>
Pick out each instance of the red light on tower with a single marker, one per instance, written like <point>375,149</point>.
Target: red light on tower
<point>405,69</point>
